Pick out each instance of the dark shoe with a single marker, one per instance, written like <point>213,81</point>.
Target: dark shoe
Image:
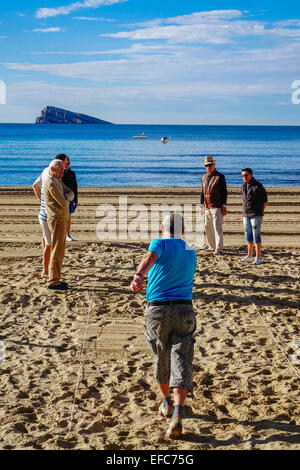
<point>175,429</point>
<point>61,286</point>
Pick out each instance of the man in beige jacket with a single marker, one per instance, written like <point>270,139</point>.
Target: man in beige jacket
<point>57,197</point>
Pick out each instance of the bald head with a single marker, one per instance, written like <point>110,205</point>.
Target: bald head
<point>173,224</point>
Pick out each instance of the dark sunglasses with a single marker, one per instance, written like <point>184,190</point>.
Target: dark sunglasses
<point>209,164</point>
<point>245,174</point>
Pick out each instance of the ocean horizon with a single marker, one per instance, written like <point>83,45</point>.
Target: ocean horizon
<point>108,156</point>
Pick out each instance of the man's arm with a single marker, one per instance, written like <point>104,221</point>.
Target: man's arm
<point>68,193</point>
<point>223,189</point>
<point>37,190</point>
<point>265,205</point>
<point>37,186</point>
<point>75,190</point>
<point>145,265</point>
<point>263,197</point>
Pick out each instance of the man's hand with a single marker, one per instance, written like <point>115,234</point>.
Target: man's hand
<point>224,210</point>
<point>145,265</point>
<point>138,284</point>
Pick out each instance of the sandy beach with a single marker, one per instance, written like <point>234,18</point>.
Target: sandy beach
<point>75,371</point>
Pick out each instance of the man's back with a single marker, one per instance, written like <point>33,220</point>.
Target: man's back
<point>69,179</point>
<point>172,275</point>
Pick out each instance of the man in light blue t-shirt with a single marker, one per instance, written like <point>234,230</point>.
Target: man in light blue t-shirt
<point>170,319</point>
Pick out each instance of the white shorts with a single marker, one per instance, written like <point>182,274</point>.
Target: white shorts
<point>46,231</point>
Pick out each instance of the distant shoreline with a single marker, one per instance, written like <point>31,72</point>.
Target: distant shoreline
<point>143,124</point>
<point>19,209</point>
<point>283,188</point>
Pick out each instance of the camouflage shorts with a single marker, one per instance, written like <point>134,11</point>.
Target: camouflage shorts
<point>170,335</point>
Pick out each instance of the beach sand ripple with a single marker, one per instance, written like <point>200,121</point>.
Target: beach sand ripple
<point>77,373</point>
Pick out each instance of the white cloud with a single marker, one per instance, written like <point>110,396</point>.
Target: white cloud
<point>231,67</point>
<point>145,64</point>
<point>46,30</point>
<point>87,18</point>
<point>112,96</point>
<point>209,27</point>
<point>65,10</point>
<point>134,49</point>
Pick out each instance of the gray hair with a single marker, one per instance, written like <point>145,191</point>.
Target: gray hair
<point>173,223</point>
<point>55,163</point>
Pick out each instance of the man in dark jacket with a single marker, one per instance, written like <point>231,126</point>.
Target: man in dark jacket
<point>214,199</point>
<point>255,201</point>
<point>69,179</point>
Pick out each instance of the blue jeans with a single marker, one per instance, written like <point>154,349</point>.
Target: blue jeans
<point>252,226</point>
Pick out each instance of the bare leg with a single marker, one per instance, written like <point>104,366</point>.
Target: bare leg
<point>180,395</point>
<point>258,249</point>
<point>250,248</point>
<point>165,389</point>
<point>69,225</point>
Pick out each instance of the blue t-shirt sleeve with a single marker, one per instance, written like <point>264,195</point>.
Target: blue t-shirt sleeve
<point>157,246</point>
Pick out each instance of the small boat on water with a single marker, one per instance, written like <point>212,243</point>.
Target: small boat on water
<point>142,136</point>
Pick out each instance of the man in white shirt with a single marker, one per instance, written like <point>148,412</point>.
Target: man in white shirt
<point>57,197</point>
<point>38,188</point>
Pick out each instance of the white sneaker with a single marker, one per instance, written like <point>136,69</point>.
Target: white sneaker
<point>247,259</point>
<point>257,261</point>
<point>69,238</point>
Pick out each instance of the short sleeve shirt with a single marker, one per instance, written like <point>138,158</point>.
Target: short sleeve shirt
<point>171,277</point>
<point>41,181</point>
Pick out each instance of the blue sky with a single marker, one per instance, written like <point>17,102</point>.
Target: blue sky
<point>150,61</point>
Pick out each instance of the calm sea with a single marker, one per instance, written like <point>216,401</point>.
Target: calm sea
<point>108,155</point>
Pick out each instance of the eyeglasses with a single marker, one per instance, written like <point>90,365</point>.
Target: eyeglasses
<point>209,164</point>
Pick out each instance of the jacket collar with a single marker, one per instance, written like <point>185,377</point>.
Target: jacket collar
<point>215,172</point>
<point>251,182</point>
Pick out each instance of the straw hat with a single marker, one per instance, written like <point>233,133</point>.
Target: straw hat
<point>209,159</point>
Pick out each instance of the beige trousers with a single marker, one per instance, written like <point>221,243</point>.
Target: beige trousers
<point>58,228</point>
<point>213,228</point>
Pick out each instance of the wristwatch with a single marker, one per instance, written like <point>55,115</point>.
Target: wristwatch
<point>137,275</point>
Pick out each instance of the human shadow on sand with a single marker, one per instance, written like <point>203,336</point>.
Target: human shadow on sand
<point>291,436</point>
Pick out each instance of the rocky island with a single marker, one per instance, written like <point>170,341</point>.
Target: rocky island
<point>53,115</point>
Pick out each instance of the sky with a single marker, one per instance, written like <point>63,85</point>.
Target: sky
<point>152,61</point>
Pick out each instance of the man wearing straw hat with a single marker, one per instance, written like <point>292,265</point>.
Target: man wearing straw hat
<point>214,199</point>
